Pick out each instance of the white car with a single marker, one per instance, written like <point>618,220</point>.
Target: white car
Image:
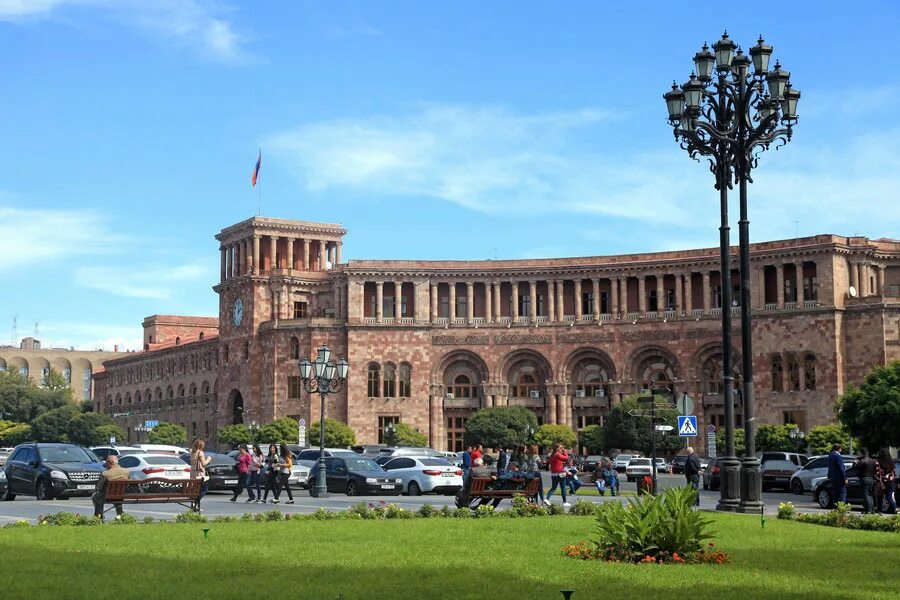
<point>802,479</point>
<point>103,451</point>
<point>145,466</point>
<point>162,449</point>
<point>299,476</point>
<point>661,465</point>
<point>637,468</point>
<point>309,458</point>
<point>621,461</point>
<point>422,474</point>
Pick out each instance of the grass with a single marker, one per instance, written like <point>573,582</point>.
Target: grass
<point>589,489</point>
<point>432,558</point>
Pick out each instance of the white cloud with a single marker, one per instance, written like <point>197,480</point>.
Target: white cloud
<point>196,24</point>
<point>140,281</point>
<point>37,236</point>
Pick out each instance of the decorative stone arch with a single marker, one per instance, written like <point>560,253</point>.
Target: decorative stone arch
<point>652,365</point>
<point>236,406</point>
<point>589,371</point>
<point>706,368</point>
<point>38,368</point>
<point>64,367</point>
<point>526,371</point>
<point>389,380</point>
<point>404,380</point>
<point>127,398</point>
<point>458,361</point>
<point>118,399</point>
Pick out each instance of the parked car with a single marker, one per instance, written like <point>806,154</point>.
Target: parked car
<point>677,464</point>
<point>161,449</point>
<point>222,470</point>
<point>49,470</point>
<point>777,473</point>
<point>353,475</point>
<point>454,458</point>
<point>422,475</point>
<point>3,456</point>
<point>299,472</point>
<point>2,483</point>
<point>798,459</point>
<point>411,451</point>
<point>591,462</point>
<point>637,468</point>
<point>309,457</point>
<point>621,461</point>
<point>103,451</point>
<point>823,493</point>
<point>145,466</point>
<point>712,476</point>
<point>369,450</point>
<point>802,479</point>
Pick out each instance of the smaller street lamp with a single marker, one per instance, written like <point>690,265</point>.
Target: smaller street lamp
<point>325,377</point>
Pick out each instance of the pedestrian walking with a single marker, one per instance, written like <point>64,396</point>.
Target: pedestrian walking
<point>477,452</point>
<point>270,472</point>
<point>692,473</point>
<point>837,474</point>
<point>257,460</point>
<point>199,462</point>
<point>865,468</point>
<point>558,473</point>
<point>503,461</point>
<point>885,482</point>
<point>243,468</point>
<point>284,474</point>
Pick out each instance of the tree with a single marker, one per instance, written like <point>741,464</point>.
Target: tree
<point>22,400</point>
<point>593,439</point>
<point>500,426</point>
<point>86,406</point>
<point>55,382</point>
<point>548,435</point>
<point>777,438</point>
<point>281,431</point>
<point>738,442</point>
<point>404,435</point>
<point>235,435</point>
<point>13,434</point>
<point>821,438</point>
<point>871,412</point>
<point>623,431</point>
<point>168,433</point>
<point>337,434</point>
<point>85,428</point>
<point>53,425</point>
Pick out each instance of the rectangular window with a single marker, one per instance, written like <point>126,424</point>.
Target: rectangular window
<point>372,308</point>
<point>387,306</point>
<point>299,310</point>
<point>86,384</point>
<point>604,302</point>
<point>651,301</point>
<point>587,303</point>
<point>461,305</point>
<point>524,305</point>
<point>717,296</point>
<point>444,307</point>
<point>789,291</point>
<point>810,288</point>
<point>456,430</point>
<point>403,310</point>
<point>295,386</point>
<point>670,299</point>
<point>541,306</point>
<point>383,422</point>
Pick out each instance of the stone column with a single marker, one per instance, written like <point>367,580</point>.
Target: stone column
<point>624,287</point>
<point>452,285</point>
<point>255,264</point>
<point>799,277</point>
<point>290,253</point>
<point>488,304</point>
<point>273,252</point>
<point>596,299</point>
<point>379,300</point>
<point>560,303</point>
<point>880,290</point>
<point>706,291</point>
<point>688,294</point>
<point>498,312</point>
<point>660,294</point>
<point>398,301</point>
<point>642,294</point>
<point>560,409</point>
<point>223,269</point>
<point>863,280</point>
<point>551,300</point>
<point>551,409</point>
<point>614,296</point>
<point>435,418</point>
<point>306,255</point>
<point>779,284</point>
<point>578,299</point>
<point>854,282</point>
<point>322,257</point>
<point>532,295</point>
<point>337,252</point>
<point>248,259</point>
<point>679,305</point>
<point>515,300</point>
<point>434,302</point>
<point>470,302</point>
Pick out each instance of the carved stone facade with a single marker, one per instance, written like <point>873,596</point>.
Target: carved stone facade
<point>430,342</point>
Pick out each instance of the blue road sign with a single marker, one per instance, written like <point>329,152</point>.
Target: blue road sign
<point>151,424</point>
<point>687,425</point>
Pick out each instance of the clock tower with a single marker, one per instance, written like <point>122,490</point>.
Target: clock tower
<point>281,293</point>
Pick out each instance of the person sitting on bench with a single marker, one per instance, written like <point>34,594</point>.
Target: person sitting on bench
<point>512,479</point>
<point>113,472</point>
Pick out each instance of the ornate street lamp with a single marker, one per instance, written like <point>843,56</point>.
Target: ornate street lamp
<point>325,377</point>
<point>729,115</point>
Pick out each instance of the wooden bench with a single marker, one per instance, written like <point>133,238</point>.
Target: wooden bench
<point>185,492</point>
<point>485,487</point>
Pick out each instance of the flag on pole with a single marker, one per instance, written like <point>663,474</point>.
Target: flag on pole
<point>255,174</point>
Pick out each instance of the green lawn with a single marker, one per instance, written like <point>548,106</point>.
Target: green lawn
<point>483,559</point>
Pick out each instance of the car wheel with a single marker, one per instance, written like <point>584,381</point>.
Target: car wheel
<point>414,489</point>
<point>8,496</point>
<point>42,490</point>
<point>351,488</point>
<point>797,487</point>
<point>823,498</point>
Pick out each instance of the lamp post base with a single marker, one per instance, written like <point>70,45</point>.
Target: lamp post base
<point>317,493</point>
<point>751,486</point>
<point>730,498</point>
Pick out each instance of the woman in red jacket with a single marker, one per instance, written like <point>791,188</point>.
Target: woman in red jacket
<point>558,473</point>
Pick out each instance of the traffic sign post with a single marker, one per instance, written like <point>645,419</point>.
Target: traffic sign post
<point>301,433</point>
<point>685,405</point>
<point>687,425</point>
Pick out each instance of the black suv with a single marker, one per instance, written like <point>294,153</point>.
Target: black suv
<point>49,471</point>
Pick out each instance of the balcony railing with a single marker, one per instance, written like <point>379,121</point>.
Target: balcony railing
<point>478,320</point>
<point>770,306</point>
<point>651,314</point>
<point>697,312</point>
<point>587,317</point>
<point>521,320</point>
<point>669,314</point>
<point>606,317</point>
<point>369,320</point>
<point>810,303</point>
<point>441,321</point>
<point>504,320</point>
<point>790,305</point>
<point>569,318</point>
<point>715,311</point>
<point>406,320</point>
<point>459,320</point>
<point>541,319</point>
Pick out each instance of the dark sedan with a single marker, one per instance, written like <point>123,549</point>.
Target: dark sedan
<point>222,470</point>
<point>678,464</point>
<point>777,473</point>
<point>355,476</point>
<point>824,496</point>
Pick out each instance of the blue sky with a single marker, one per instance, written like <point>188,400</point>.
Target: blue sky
<point>429,130</point>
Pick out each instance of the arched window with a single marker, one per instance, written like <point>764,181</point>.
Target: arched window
<point>777,374</point>
<point>793,366</point>
<point>247,350</point>
<point>390,381</point>
<point>177,341</point>
<point>405,381</point>
<point>373,374</point>
<point>128,399</point>
<point>809,372</point>
<point>463,387</point>
<point>523,385</point>
<point>201,335</point>
<point>295,348</point>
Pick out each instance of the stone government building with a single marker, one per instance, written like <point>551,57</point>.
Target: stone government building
<point>430,342</point>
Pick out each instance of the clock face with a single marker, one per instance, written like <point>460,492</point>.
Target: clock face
<point>237,313</point>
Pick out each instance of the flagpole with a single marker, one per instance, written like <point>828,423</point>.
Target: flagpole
<point>259,188</point>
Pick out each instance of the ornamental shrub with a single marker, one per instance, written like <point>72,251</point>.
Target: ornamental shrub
<point>191,517</point>
<point>786,511</point>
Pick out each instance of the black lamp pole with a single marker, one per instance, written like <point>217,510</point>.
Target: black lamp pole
<point>731,122</point>
<point>325,377</point>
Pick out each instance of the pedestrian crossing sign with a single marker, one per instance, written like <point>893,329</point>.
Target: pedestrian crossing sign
<point>687,425</point>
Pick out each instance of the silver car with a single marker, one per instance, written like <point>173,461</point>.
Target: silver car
<point>802,479</point>
<point>422,474</point>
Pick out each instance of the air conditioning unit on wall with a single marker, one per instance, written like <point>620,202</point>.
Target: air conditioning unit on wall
<point>599,393</point>
<point>579,393</point>
<point>449,395</point>
<point>535,394</point>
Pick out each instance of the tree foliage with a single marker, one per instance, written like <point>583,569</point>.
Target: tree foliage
<point>53,425</point>
<point>777,438</point>
<point>281,431</point>
<point>593,439</point>
<point>871,412</point>
<point>404,435</point>
<point>738,441</point>
<point>337,434</point>
<point>235,435</point>
<point>56,382</point>
<point>624,432</point>
<point>92,429</point>
<point>13,434</point>
<point>23,401</point>
<point>168,433</point>
<point>500,426</point>
<point>821,438</point>
<point>548,435</point>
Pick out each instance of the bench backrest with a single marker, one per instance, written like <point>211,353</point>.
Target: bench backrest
<point>154,487</point>
<point>479,484</point>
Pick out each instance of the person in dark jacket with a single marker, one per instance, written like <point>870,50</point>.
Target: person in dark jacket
<point>885,482</point>
<point>692,472</point>
<point>865,468</point>
<point>837,474</point>
<point>466,462</point>
<point>503,461</point>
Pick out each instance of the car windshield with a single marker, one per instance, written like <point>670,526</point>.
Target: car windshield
<point>779,464</point>
<point>362,464</point>
<point>67,454</point>
<point>623,457</point>
<point>434,462</point>
<point>163,460</point>
<point>640,461</point>
<point>127,452</point>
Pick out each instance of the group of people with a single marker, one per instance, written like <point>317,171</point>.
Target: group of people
<point>876,477</point>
